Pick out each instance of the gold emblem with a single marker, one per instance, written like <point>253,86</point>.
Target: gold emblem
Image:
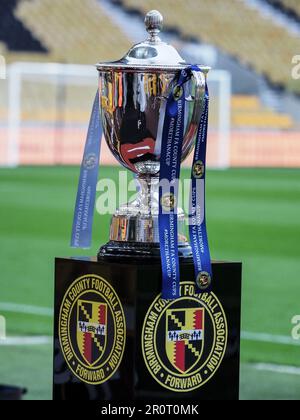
<point>178,92</point>
<point>92,329</point>
<point>184,340</point>
<point>198,169</point>
<point>168,202</point>
<point>203,280</point>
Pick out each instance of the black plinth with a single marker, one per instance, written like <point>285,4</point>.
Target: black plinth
<point>137,250</point>
<point>115,339</point>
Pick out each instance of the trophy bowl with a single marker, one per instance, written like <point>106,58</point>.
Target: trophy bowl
<point>133,94</point>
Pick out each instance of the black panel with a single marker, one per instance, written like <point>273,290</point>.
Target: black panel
<point>137,286</point>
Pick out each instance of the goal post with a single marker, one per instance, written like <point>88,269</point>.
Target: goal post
<point>44,76</point>
<point>220,86</point>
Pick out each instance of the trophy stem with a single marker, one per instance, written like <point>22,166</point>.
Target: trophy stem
<point>134,227</point>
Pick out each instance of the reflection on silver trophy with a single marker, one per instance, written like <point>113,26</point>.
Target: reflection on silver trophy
<point>133,95</point>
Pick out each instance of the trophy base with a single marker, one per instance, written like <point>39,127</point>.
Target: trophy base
<point>120,363</point>
<point>115,249</point>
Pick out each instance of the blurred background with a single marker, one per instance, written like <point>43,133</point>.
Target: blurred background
<point>48,49</point>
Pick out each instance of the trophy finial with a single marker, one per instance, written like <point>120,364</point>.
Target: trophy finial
<point>154,23</point>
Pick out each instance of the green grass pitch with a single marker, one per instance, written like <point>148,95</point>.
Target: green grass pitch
<point>253,216</point>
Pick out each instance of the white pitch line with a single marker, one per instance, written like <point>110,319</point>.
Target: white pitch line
<point>269,338</point>
<point>43,340</point>
<point>282,369</point>
<point>25,309</point>
<point>246,336</point>
<point>26,341</point>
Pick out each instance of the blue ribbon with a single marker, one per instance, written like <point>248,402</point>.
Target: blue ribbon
<point>86,192</point>
<point>170,161</point>
<point>197,213</point>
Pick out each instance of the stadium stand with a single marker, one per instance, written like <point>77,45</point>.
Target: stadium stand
<point>235,28</point>
<point>249,113</point>
<point>292,4</point>
<point>13,32</point>
<point>290,7</point>
<point>68,31</point>
<point>75,32</point>
<point>72,30</point>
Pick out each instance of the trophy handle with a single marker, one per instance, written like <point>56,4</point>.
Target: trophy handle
<point>191,131</point>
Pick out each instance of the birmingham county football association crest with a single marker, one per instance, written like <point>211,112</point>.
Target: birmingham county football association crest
<point>92,329</point>
<point>184,340</point>
<point>184,337</point>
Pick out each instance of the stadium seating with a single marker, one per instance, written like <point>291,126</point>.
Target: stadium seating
<point>234,28</point>
<point>82,32</point>
<point>292,4</point>
<point>12,31</point>
<point>288,5</point>
<point>70,31</point>
<point>74,31</point>
<point>249,113</point>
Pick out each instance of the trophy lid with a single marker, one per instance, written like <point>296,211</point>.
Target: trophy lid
<point>152,54</point>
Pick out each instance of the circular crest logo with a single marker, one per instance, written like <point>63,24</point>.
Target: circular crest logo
<point>92,329</point>
<point>90,161</point>
<point>198,169</point>
<point>168,202</point>
<point>184,340</point>
<point>178,92</point>
<point>203,280</point>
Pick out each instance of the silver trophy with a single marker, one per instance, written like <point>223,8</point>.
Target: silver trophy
<point>133,96</point>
